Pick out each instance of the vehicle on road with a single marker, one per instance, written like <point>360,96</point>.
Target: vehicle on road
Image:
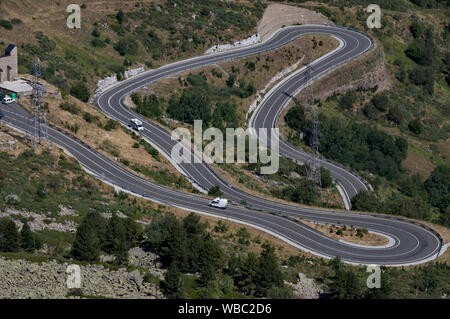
<point>219,203</point>
<point>136,124</point>
<point>8,100</point>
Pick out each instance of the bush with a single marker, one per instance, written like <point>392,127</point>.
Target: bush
<point>325,178</point>
<point>415,126</point>
<point>96,32</point>
<point>381,102</point>
<point>121,17</point>
<point>149,106</point>
<point>70,107</point>
<point>423,77</point>
<point>6,24</point>
<point>16,21</point>
<point>126,45</point>
<point>395,115</point>
<point>80,91</point>
<point>365,201</point>
<point>88,117</point>
<point>348,100</point>
<point>98,43</point>
<point>215,191</point>
<point>370,111</point>
<point>438,187</point>
<point>416,29</point>
<point>9,235</point>
<point>111,125</point>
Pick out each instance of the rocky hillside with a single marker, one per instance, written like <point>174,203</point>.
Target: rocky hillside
<point>48,280</point>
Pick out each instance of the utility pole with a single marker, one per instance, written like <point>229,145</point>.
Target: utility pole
<point>39,126</point>
<point>313,171</point>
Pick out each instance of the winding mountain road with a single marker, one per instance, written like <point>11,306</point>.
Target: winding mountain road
<point>412,243</point>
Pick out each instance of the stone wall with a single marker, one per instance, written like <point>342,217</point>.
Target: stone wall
<point>278,15</point>
<point>8,65</point>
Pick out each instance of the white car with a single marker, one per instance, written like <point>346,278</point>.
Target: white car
<point>219,203</point>
<point>8,100</point>
<point>136,124</point>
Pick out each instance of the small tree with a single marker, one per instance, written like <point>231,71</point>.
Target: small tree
<point>269,274</point>
<point>172,285</point>
<point>121,17</point>
<point>86,246</point>
<point>348,100</point>
<point>381,102</point>
<point>28,240</point>
<point>9,235</point>
<point>415,126</point>
<point>80,91</point>
<point>325,178</point>
<point>215,191</point>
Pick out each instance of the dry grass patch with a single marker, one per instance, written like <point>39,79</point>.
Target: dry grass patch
<point>349,234</point>
<point>117,144</point>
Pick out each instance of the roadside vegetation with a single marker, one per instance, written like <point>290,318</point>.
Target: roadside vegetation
<point>396,138</point>
<point>204,258</point>
<point>120,35</point>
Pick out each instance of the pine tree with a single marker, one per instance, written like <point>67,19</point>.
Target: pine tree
<point>28,240</point>
<point>246,275</point>
<point>133,232</point>
<point>87,245</point>
<point>121,253</point>
<point>99,223</point>
<point>193,226</point>
<point>210,260</point>
<point>172,284</point>
<point>345,285</point>
<point>9,235</point>
<point>173,247</point>
<point>269,270</point>
<point>115,233</point>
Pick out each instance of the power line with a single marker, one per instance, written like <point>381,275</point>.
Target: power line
<point>38,126</point>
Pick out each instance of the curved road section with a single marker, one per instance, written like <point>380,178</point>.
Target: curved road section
<point>413,244</point>
<point>265,116</point>
<point>353,44</point>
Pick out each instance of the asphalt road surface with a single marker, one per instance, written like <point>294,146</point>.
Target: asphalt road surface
<point>411,242</point>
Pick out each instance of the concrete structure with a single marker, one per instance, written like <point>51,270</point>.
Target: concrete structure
<point>9,81</point>
<point>20,87</point>
<point>8,64</point>
<point>278,15</point>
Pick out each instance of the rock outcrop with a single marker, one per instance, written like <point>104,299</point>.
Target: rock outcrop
<point>24,279</point>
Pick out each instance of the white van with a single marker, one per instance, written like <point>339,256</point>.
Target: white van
<point>8,100</point>
<point>136,124</point>
<point>219,203</point>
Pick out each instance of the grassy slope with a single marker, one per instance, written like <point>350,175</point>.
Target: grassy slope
<point>162,30</point>
<point>429,147</point>
<point>258,70</point>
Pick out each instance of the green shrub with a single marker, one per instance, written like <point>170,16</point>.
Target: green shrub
<point>111,125</point>
<point>126,45</point>
<point>6,24</point>
<point>381,102</point>
<point>348,100</point>
<point>415,126</point>
<point>215,191</point>
<point>80,91</point>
